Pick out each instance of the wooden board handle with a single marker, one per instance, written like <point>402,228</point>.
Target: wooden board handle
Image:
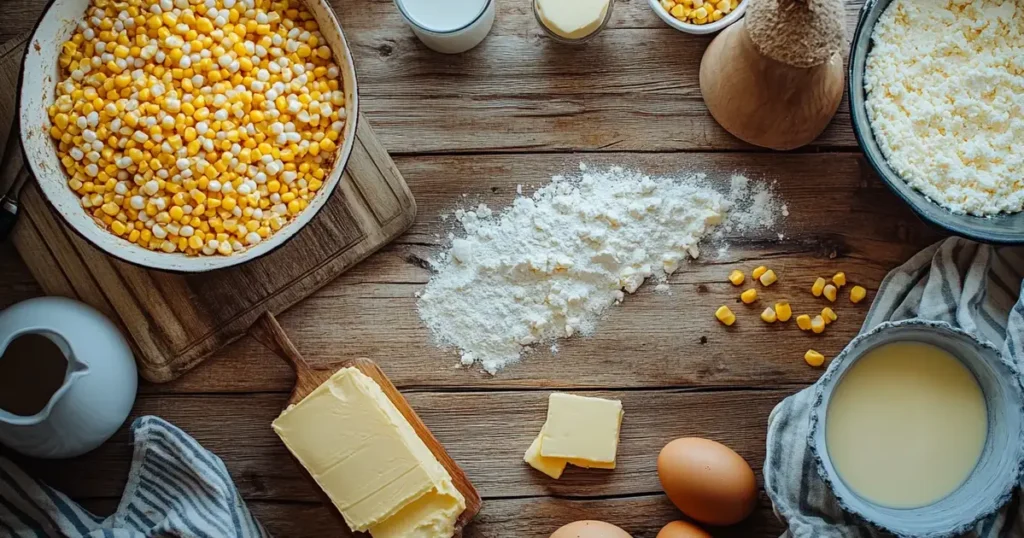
<point>269,332</point>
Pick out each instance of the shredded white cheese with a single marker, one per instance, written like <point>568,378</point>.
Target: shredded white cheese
<point>945,95</point>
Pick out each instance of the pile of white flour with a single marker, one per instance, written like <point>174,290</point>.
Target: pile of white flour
<point>549,265</point>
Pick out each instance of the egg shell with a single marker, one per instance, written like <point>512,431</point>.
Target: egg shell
<point>707,480</point>
<point>590,529</point>
<point>682,529</point>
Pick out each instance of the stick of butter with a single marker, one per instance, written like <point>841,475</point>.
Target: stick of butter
<point>368,459</point>
<point>581,429</point>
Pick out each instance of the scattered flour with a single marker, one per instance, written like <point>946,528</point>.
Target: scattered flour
<point>551,264</point>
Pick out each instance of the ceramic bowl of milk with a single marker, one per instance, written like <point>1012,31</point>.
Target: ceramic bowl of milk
<point>917,428</point>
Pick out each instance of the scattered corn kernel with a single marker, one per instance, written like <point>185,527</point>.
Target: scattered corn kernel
<point>173,116</point>
<point>828,315</point>
<point>857,294</point>
<point>749,296</point>
<point>725,315</point>
<point>758,271</point>
<point>804,322</point>
<point>736,277</point>
<point>818,286</point>
<point>818,325</point>
<point>769,315</point>
<point>813,358</point>
<point>783,311</point>
<point>839,279</point>
<point>768,278</point>
<point>830,292</point>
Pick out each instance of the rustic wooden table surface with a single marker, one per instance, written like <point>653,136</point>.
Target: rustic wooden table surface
<point>468,129</point>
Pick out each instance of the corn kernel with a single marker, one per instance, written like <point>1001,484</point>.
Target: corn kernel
<point>839,279</point>
<point>768,278</point>
<point>736,277</point>
<point>857,294</point>
<point>830,292</point>
<point>813,358</point>
<point>783,311</point>
<point>818,286</point>
<point>828,315</point>
<point>749,296</point>
<point>758,271</point>
<point>804,322</point>
<point>818,325</point>
<point>725,315</point>
<point>769,315</point>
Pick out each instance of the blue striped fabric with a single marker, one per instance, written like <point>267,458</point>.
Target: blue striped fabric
<point>175,488</point>
<point>971,286</point>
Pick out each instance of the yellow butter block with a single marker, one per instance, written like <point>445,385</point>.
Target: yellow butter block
<point>553,467</point>
<point>587,464</point>
<point>581,428</point>
<point>368,459</point>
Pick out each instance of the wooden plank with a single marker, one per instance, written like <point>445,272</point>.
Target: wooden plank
<point>642,516</point>
<point>841,217</point>
<point>486,433</point>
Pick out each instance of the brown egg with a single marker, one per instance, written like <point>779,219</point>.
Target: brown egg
<point>590,529</point>
<point>708,481</point>
<point>682,529</point>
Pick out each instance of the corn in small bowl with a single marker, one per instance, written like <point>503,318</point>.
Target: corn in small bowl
<point>699,17</point>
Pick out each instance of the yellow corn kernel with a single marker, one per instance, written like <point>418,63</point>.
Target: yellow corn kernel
<point>667,5</point>
<point>736,277</point>
<point>818,286</point>
<point>818,325</point>
<point>118,227</point>
<point>749,296</point>
<point>813,358</point>
<point>768,278</point>
<point>769,315</point>
<point>804,322</point>
<point>725,315</point>
<point>758,271</point>
<point>830,292</point>
<point>700,13</point>
<point>783,311</point>
<point>828,315</point>
<point>839,279</point>
<point>857,294</point>
<point>677,11</point>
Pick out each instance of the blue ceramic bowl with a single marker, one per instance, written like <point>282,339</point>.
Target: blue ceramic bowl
<point>1001,229</point>
<point>998,471</point>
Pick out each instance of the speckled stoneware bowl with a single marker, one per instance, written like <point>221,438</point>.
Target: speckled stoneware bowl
<point>998,471</point>
<point>39,76</point>
<point>1002,229</point>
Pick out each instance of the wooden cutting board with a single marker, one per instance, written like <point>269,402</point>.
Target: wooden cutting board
<point>268,332</point>
<point>175,321</point>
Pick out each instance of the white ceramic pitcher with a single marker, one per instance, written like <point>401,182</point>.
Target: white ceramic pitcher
<point>99,385</point>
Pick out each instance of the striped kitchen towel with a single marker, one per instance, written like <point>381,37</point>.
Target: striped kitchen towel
<point>175,488</point>
<point>971,286</point>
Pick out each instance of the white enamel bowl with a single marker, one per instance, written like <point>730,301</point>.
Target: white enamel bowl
<point>699,29</point>
<point>39,76</point>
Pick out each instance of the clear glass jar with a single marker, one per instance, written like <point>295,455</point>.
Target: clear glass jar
<point>570,40</point>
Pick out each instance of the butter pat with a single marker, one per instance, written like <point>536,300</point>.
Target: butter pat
<point>583,430</point>
<point>368,459</point>
<point>572,19</point>
<point>553,467</point>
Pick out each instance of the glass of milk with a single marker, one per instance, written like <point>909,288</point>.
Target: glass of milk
<point>448,26</point>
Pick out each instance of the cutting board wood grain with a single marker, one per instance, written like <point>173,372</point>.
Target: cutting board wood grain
<point>268,332</point>
<point>175,321</point>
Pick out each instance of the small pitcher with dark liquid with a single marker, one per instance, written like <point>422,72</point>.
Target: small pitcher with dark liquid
<point>67,378</point>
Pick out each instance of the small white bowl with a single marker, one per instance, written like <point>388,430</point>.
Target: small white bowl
<point>699,29</point>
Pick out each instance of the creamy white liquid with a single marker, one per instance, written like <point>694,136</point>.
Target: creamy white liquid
<point>443,15</point>
<point>906,425</point>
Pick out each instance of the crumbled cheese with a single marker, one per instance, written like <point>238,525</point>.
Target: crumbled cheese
<point>945,95</point>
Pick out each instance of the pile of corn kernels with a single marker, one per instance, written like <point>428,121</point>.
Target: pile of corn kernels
<point>783,312</point>
<point>699,11</point>
<point>197,126</point>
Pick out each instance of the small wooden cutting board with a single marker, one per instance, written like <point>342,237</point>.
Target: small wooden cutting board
<point>268,332</point>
